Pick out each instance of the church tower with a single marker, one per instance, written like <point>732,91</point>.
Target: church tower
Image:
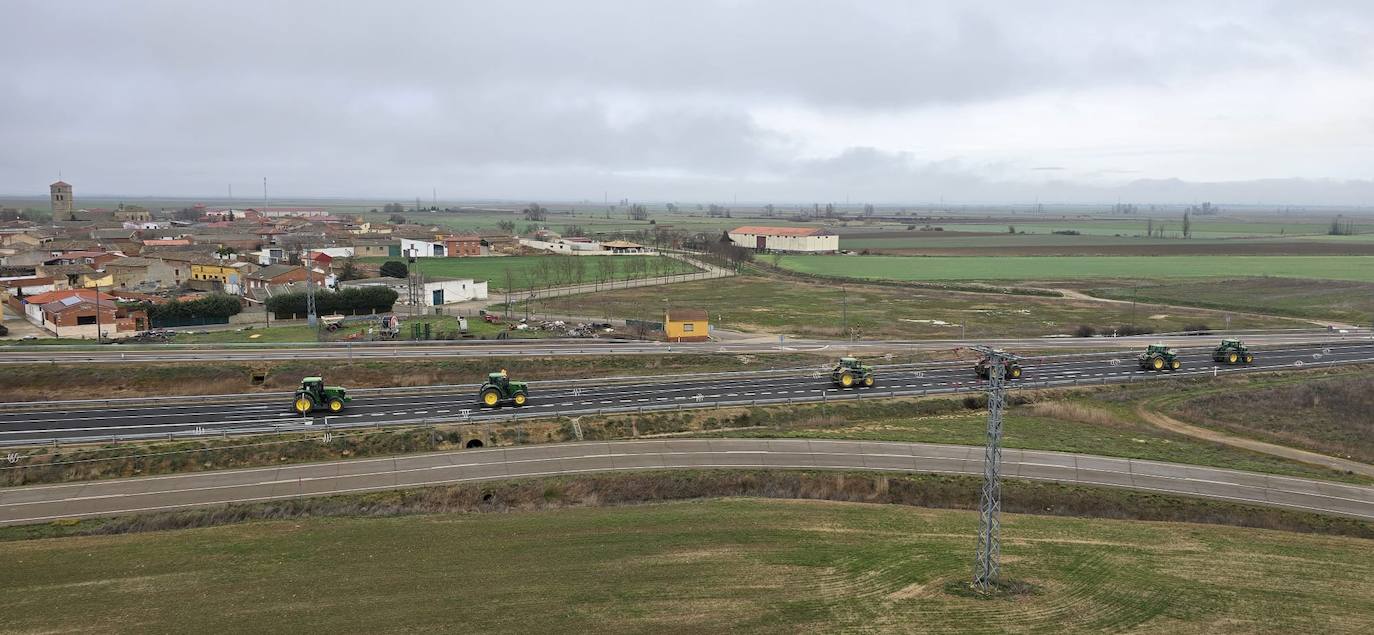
<point>61,200</point>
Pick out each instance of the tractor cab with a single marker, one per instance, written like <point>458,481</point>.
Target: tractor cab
<point>313,386</point>
<point>1159,349</point>
<point>499,389</point>
<point>1230,343</point>
<point>849,372</point>
<point>314,394</point>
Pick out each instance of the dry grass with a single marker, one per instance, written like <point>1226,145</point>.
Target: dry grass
<point>1077,413</point>
<point>732,565</point>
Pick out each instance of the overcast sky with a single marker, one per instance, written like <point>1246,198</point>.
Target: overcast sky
<point>785,101</point>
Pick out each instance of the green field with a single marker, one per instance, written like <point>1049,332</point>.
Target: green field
<point>725,565</point>
<point>523,272</point>
<point>1355,268</point>
<point>799,308</point>
<point>1172,223</point>
<point>1351,302</point>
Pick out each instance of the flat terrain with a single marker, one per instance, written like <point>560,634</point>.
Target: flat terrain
<point>524,272</point>
<point>1354,268</point>
<point>811,309</point>
<point>919,243</point>
<point>732,565</point>
<point>1351,302</point>
<point>1333,416</point>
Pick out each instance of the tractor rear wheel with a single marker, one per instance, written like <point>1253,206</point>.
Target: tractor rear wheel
<point>846,379</point>
<point>1249,359</point>
<point>520,399</point>
<point>335,404</point>
<point>490,397</point>
<point>868,381</point>
<point>1232,357</point>
<point>1157,363</point>
<point>1174,364</point>
<point>304,404</point>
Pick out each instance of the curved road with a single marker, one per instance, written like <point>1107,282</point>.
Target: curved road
<point>30,423</point>
<point>42,503</point>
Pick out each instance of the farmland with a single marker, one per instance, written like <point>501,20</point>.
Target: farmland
<point>738,565</point>
<point>799,308</point>
<point>1354,268</point>
<point>524,272</point>
<point>1334,416</point>
<point>1352,302</point>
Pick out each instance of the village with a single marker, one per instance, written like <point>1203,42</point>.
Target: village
<point>128,272</point>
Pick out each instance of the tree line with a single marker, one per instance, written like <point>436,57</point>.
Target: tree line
<point>363,300</point>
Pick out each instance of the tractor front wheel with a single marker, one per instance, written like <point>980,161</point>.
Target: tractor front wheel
<point>1249,359</point>
<point>868,381</point>
<point>846,380</point>
<point>304,405</point>
<point>1015,372</point>
<point>1174,364</point>
<point>335,404</point>
<point>520,399</point>
<point>490,397</point>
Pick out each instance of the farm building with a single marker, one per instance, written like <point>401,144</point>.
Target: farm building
<point>686,325</point>
<point>798,239</point>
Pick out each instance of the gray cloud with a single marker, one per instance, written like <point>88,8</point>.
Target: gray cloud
<point>648,100</point>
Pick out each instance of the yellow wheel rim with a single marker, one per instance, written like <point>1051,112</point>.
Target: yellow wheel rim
<point>846,380</point>
<point>1175,364</point>
<point>868,381</point>
<point>302,405</point>
<point>1249,358</point>
<point>1231,359</point>
<point>520,400</point>
<point>490,399</point>
<point>1158,363</point>
<point>1015,372</point>
<point>335,406</point>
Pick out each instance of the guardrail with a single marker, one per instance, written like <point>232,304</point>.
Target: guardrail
<point>323,424</point>
<point>554,383</point>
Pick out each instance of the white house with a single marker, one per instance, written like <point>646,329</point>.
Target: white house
<point>795,239</point>
<point>432,292</point>
<point>423,248</point>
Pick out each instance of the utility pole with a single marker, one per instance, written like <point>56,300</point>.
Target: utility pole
<point>310,318</point>
<point>264,197</point>
<point>99,337</point>
<point>987,562</point>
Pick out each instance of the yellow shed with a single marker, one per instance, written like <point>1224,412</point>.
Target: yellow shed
<point>686,325</point>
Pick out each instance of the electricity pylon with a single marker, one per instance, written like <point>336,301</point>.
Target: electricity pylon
<point>988,560</point>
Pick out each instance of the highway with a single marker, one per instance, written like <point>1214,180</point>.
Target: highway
<point>44,503</point>
<point>164,353</point>
<point>119,420</point>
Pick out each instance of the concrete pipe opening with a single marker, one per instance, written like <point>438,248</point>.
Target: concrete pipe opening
<point>473,443</point>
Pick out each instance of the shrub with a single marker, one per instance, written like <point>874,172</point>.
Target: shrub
<point>1131,329</point>
<point>395,269</point>
<point>1084,330</point>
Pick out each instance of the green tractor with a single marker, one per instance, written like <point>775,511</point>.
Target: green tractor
<point>983,369</point>
<point>313,394</point>
<point>499,389</point>
<point>850,371</point>
<point>1159,357</point>
<point>1231,351</point>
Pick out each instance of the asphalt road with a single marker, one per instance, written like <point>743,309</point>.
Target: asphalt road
<point>44,503</point>
<point>183,417</point>
<point>162,353</point>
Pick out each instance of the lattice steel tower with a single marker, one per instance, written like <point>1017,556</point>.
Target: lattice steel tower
<point>988,561</point>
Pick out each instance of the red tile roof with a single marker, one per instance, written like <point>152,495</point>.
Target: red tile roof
<point>54,296</point>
